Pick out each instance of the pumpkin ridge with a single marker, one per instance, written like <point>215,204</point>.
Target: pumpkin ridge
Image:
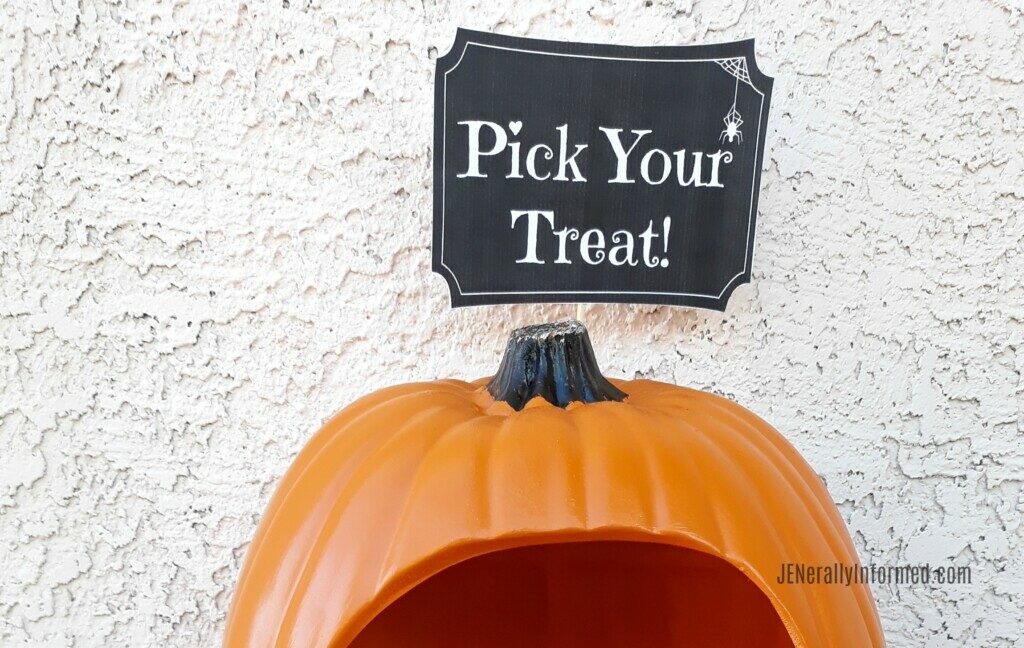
<point>832,529</point>
<point>588,462</point>
<point>760,442</point>
<point>329,436</point>
<point>341,503</point>
<point>836,530</point>
<point>635,429</point>
<point>803,471</point>
<point>498,516</point>
<point>286,621</point>
<point>826,507</point>
<point>789,466</point>
<point>687,435</point>
<point>680,449</point>
<point>740,445</point>
<point>778,446</point>
<point>401,522</point>
<point>769,530</point>
<point>482,473</point>
<point>767,442</point>
<point>580,489</point>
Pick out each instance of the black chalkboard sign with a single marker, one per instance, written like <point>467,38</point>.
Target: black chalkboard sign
<point>574,172</point>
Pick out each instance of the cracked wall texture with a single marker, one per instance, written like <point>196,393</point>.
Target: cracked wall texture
<point>214,232</point>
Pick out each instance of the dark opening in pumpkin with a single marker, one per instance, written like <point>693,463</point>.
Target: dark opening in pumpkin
<point>592,594</point>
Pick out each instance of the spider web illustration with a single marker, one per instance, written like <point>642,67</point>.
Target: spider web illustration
<point>737,67</point>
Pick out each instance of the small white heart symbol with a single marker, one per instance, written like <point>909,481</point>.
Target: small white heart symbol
<point>515,126</point>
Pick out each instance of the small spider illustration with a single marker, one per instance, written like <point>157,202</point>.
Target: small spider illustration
<point>733,121</point>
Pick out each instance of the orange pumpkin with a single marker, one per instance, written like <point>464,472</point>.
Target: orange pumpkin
<point>547,507</point>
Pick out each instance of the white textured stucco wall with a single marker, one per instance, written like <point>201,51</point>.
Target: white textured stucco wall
<point>214,232</point>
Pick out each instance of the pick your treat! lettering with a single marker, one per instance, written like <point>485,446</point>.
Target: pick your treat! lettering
<point>502,150</point>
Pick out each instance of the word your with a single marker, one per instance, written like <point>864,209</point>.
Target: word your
<point>592,247</point>
<point>652,165</point>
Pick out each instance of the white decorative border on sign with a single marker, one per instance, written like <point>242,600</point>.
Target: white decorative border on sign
<point>720,62</point>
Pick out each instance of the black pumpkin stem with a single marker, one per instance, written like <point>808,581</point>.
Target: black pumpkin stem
<point>554,361</point>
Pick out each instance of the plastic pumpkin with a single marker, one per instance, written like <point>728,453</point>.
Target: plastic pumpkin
<point>547,506</point>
